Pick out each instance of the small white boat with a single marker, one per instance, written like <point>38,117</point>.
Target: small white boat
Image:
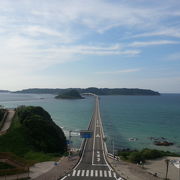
<point>133,139</point>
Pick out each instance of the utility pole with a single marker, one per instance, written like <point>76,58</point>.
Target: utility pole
<point>113,147</point>
<point>70,143</point>
<point>167,166</point>
<point>179,169</point>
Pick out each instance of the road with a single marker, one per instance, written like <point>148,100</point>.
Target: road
<point>7,122</point>
<point>93,163</point>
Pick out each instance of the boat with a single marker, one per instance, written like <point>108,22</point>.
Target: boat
<point>163,143</point>
<point>133,139</point>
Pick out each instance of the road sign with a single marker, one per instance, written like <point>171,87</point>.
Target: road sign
<point>68,142</point>
<point>86,134</point>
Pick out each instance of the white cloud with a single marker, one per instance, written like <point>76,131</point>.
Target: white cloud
<point>96,50</point>
<point>26,54</point>
<point>120,71</point>
<point>152,43</point>
<point>36,35</point>
<point>166,31</point>
<point>93,14</point>
<point>62,36</point>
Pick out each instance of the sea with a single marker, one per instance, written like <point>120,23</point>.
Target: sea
<point>132,122</point>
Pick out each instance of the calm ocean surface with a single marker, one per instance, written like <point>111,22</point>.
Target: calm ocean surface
<point>123,117</point>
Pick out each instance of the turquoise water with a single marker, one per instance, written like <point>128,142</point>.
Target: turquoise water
<point>141,117</point>
<point>123,117</point>
<point>71,115</point>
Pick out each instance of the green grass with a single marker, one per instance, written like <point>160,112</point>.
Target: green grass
<point>40,156</point>
<point>16,142</point>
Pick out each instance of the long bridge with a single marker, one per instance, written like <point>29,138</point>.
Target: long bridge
<point>93,162</point>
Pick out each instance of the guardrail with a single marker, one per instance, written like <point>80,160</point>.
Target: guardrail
<point>16,160</point>
<point>19,166</point>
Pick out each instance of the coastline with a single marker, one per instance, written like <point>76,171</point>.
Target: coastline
<point>152,169</point>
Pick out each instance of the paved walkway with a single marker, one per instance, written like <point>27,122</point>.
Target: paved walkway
<point>47,170</point>
<point>131,171</point>
<point>64,166</point>
<point>7,122</point>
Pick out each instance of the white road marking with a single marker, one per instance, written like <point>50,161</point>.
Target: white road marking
<point>98,159</point>
<point>78,173</point>
<point>81,155</point>
<point>100,173</point>
<point>92,173</point>
<point>98,155</point>
<point>97,135</point>
<point>98,152</point>
<point>103,143</point>
<point>63,178</point>
<point>93,143</point>
<point>99,164</point>
<point>87,173</point>
<point>109,173</point>
<point>74,172</point>
<point>96,173</point>
<point>83,171</point>
<point>105,174</point>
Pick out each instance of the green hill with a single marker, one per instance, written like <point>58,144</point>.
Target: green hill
<point>33,135</point>
<point>71,94</point>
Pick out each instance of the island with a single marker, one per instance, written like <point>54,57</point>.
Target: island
<point>72,94</point>
<point>94,90</point>
<point>4,91</point>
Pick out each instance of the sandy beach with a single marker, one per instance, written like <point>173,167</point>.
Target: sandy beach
<point>147,171</point>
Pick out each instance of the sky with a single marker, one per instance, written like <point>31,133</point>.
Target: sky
<point>90,43</point>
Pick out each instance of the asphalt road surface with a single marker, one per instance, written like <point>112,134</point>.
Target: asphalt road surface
<point>93,163</point>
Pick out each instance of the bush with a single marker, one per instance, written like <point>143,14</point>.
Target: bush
<point>41,131</point>
<point>136,157</point>
<point>124,154</point>
<point>34,136</point>
<point>145,154</point>
<point>151,154</point>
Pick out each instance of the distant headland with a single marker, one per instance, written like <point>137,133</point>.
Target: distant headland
<point>4,91</point>
<point>98,91</point>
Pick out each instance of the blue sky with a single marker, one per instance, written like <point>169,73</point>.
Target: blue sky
<point>82,43</point>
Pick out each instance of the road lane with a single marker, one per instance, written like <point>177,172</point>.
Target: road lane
<point>93,163</point>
